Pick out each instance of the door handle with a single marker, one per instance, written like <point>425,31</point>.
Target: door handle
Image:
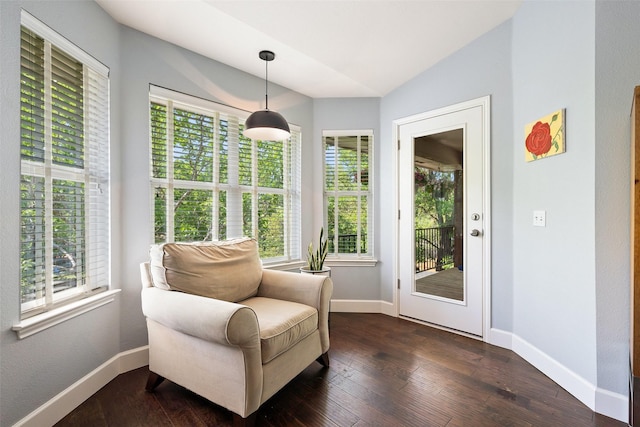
<point>475,233</point>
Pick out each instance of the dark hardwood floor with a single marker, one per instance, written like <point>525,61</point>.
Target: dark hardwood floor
<point>384,372</point>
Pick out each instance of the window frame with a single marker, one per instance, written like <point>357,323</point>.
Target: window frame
<point>291,191</point>
<point>93,177</point>
<point>336,258</point>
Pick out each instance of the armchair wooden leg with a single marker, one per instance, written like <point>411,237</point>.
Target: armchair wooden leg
<point>324,359</point>
<point>153,381</point>
<point>250,421</point>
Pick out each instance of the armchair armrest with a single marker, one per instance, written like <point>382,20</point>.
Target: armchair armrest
<point>308,289</point>
<point>312,290</point>
<point>210,319</point>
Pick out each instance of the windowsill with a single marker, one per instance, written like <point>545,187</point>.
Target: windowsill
<point>351,262</point>
<point>43,321</point>
<point>285,266</point>
<point>329,262</point>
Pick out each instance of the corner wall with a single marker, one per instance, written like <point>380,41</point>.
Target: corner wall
<point>559,291</point>
<point>479,69</point>
<point>554,283</point>
<point>350,283</point>
<point>35,369</point>
<point>617,72</point>
<point>147,60</point>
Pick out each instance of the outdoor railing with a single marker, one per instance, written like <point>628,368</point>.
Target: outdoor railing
<point>434,248</point>
<point>347,244</point>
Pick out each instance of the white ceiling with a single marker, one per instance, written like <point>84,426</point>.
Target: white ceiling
<point>324,49</point>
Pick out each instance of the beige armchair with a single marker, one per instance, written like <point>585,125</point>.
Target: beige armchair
<point>228,330</point>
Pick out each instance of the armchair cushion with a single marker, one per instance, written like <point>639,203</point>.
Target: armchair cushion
<point>229,270</point>
<point>282,324</point>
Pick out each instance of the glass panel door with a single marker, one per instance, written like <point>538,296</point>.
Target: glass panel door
<point>438,214</point>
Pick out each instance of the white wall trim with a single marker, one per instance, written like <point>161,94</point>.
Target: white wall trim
<point>579,387</point>
<point>500,338</point>
<point>605,402</point>
<point>602,401</point>
<point>70,398</point>
<point>389,309</point>
<point>40,322</point>
<point>362,306</point>
<point>614,405</point>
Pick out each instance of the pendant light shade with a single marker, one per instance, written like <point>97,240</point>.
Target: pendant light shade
<point>265,124</point>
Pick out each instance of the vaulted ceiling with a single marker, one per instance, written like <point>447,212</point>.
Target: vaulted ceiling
<point>324,49</point>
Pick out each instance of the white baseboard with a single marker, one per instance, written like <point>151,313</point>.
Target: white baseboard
<point>70,398</point>
<point>602,401</point>
<point>614,405</point>
<point>500,338</point>
<point>133,359</point>
<point>579,387</point>
<point>388,308</point>
<point>362,306</point>
<point>605,402</point>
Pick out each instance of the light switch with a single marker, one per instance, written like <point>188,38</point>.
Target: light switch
<point>539,218</point>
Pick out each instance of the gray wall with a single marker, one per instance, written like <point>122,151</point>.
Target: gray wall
<point>563,288</point>
<point>56,358</point>
<point>35,369</point>
<point>554,266</point>
<point>617,71</point>
<point>147,60</point>
<point>481,68</point>
<point>358,283</point>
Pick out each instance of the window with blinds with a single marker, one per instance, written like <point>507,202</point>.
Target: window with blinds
<point>64,188</point>
<point>210,182</point>
<point>347,192</point>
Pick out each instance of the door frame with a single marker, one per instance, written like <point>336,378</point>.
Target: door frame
<point>485,103</point>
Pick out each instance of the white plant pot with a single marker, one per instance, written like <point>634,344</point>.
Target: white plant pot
<point>326,271</point>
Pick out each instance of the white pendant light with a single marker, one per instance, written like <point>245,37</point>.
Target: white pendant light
<point>265,124</point>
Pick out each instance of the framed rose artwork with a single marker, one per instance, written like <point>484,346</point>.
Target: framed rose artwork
<point>545,137</point>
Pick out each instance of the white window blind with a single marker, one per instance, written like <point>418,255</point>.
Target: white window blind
<point>64,187</point>
<point>348,192</point>
<point>210,182</point>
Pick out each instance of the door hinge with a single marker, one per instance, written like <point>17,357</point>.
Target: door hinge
<point>398,214</point>
<point>398,283</point>
<point>398,144</point>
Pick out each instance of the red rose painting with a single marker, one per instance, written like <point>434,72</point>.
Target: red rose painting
<point>545,137</point>
<point>539,140</point>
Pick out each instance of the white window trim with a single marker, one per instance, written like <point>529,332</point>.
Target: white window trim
<point>197,105</point>
<point>346,260</point>
<point>333,262</point>
<point>40,28</point>
<point>363,261</point>
<point>72,302</point>
<point>40,322</point>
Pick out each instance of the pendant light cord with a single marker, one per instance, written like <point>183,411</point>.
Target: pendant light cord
<point>266,85</point>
